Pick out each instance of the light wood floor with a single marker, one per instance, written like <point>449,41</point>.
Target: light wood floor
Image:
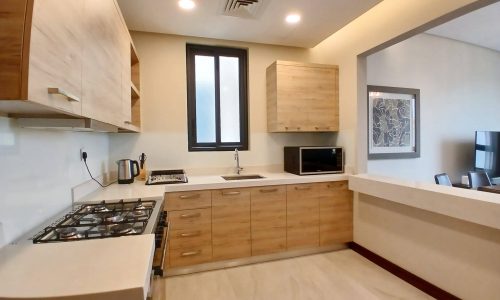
<point>335,275</point>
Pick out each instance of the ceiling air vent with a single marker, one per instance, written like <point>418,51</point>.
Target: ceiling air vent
<point>247,9</point>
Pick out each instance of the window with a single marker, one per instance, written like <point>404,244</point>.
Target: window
<point>217,98</point>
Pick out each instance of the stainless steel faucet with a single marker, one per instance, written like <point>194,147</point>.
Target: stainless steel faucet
<point>237,158</point>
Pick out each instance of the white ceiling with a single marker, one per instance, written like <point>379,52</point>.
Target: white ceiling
<point>480,27</point>
<point>320,19</point>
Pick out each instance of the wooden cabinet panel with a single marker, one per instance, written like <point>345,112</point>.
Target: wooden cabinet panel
<point>302,216</point>
<point>302,97</point>
<point>190,237</point>
<point>190,219</point>
<point>55,59</point>
<point>190,256</point>
<point>102,71</point>
<point>268,219</point>
<point>12,39</point>
<point>231,223</point>
<point>187,200</point>
<point>335,213</point>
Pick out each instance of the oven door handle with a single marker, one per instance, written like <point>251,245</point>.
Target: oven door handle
<point>164,254</point>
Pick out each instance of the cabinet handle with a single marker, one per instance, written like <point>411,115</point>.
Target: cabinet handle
<point>230,193</point>
<point>192,196</point>
<point>190,234</point>
<point>318,128</point>
<point>286,128</point>
<point>58,91</point>
<point>189,216</point>
<point>302,188</point>
<point>268,190</point>
<point>191,253</point>
<point>127,122</point>
<point>298,128</point>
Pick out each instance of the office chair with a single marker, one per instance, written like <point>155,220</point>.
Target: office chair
<point>478,178</point>
<point>442,179</point>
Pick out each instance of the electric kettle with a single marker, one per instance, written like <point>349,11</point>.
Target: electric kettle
<point>127,170</point>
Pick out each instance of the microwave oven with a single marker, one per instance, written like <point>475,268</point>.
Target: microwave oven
<point>314,160</point>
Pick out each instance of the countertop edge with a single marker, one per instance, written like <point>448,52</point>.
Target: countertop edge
<point>469,205</point>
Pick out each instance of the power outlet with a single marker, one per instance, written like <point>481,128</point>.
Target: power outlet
<point>81,153</point>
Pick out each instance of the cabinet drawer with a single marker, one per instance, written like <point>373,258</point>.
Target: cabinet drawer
<point>188,238</point>
<point>190,256</point>
<point>187,200</point>
<point>191,219</point>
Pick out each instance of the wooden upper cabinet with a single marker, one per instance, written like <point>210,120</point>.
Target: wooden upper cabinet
<point>268,218</point>
<point>231,223</point>
<point>56,55</point>
<point>302,213</point>
<point>102,70</point>
<point>302,97</point>
<point>66,58</point>
<point>335,213</point>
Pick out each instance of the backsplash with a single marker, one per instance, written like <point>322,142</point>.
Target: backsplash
<point>38,168</point>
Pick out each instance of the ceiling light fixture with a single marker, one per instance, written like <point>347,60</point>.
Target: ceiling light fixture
<point>293,18</point>
<point>186,4</point>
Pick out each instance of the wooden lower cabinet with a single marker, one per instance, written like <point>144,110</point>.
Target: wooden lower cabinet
<point>268,219</point>
<point>335,213</point>
<point>231,224</point>
<point>302,212</point>
<point>190,225</point>
<point>236,223</point>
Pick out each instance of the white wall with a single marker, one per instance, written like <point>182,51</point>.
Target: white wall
<point>38,168</point>
<point>164,108</point>
<point>460,93</point>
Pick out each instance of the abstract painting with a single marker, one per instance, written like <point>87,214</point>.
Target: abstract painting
<point>393,122</point>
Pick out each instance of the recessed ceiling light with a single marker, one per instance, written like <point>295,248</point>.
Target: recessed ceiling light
<point>186,4</point>
<point>293,18</point>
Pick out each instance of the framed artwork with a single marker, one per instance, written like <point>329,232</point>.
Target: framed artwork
<point>393,122</point>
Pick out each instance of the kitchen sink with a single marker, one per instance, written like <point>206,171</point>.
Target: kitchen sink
<point>242,177</point>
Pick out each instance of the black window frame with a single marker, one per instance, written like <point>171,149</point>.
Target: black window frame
<point>191,51</point>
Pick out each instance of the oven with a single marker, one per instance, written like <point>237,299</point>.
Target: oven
<point>161,247</point>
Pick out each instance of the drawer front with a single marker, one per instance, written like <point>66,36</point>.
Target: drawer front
<point>187,200</point>
<point>190,219</point>
<point>188,238</point>
<point>190,256</point>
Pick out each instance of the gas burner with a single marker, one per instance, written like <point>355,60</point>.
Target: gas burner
<point>123,229</point>
<point>68,233</point>
<point>137,214</point>
<point>113,218</point>
<point>139,205</point>
<point>101,208</point>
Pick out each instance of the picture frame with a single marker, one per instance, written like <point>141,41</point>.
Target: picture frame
<point>393,122</point>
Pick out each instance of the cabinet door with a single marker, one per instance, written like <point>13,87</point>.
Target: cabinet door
<point>231,223</point>
<point>335,213</point>
<point>302,213</point>
<point>55,59</point>
<point>268,219</point>
<point>102,69</point>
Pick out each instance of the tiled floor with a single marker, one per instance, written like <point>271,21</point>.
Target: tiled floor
<point>336,275</point>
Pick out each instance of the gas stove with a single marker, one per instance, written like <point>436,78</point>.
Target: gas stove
<point>104,219</point>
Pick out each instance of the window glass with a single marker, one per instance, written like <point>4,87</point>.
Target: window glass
<point>229,99</point>
<point>205,98</point>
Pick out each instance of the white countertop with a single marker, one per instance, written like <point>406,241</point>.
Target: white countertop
<point>470,205</point>
<point>113,268</point>
<point>138,189</point>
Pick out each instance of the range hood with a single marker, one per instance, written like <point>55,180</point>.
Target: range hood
<point>87,125</point>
